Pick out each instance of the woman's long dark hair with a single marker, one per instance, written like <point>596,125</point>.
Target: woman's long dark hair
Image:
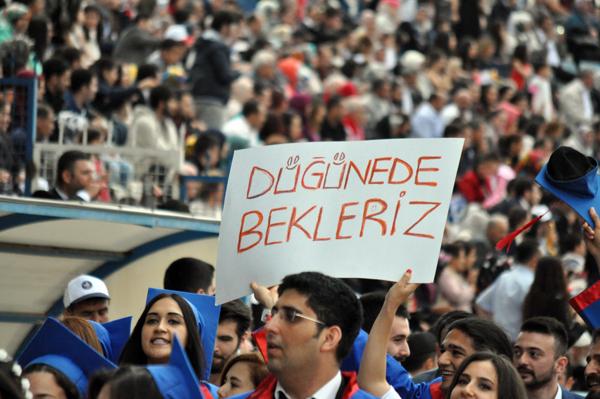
<point>510,385</point>
<point>70,389</point>
<point>548,295</point>
<point>133,353</point>
<point>132,382</point>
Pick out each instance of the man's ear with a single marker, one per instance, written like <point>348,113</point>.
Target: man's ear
<point>331,339</point>
<point>561,364</point>
<point>66,176</point>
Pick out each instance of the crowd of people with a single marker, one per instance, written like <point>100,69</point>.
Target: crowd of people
<point>195,80</point>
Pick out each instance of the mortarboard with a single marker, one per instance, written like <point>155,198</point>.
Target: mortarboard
<point>112,336</point>
<point>573,178</point>
<point>56,346</point>
<point>176,380</point>
<point>587,304</point>
<point>207,317</point>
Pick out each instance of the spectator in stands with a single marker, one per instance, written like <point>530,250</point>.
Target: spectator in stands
<point>540,357</point>
<point>427,121</point>
<point>87,297</point>
<point>152,126</point>
<point>332,128</point>
<point>57,79</point>
<point>503,300</point>
<point>234,324</point>
<point>169,54</point>
<point>75,115</point>
<point>242,131</point>
<point>476,185</point>
<point>423,354</point>
<point>44,123</point>
<point>548,295</point>
<point>457,291</point>
<point>137,42</point>
<point>190,275</point>
<point>576,100</point>
<point>211,74</point>
<point>86,35</point>
<point>14,21</point>
<point>74,178</point>
<point>397,344</point>
<point>242,373</point>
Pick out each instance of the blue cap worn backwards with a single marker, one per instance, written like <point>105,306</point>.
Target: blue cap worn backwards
<point>207,317</point>
<point>176,380</point>
<point>113,336</point>
<point>573,178</point>
<point>56,346</point>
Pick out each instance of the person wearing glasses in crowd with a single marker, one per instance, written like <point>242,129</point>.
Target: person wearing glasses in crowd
<point>310,329</point>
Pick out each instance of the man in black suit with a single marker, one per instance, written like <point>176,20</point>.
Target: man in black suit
<point>74,178</point>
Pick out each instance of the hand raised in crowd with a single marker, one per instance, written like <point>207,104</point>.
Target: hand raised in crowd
<point>592,235</point>
<point>371,376</point>
<point>400,292</point>
<point>265,296</point>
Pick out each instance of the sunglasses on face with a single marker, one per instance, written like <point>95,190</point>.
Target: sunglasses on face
<point>290,315</point>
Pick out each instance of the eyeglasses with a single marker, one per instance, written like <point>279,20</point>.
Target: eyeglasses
<point>290,315</point>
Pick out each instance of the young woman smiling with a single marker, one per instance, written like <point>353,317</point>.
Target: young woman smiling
<point>165,316</point>
<point>485,375</point>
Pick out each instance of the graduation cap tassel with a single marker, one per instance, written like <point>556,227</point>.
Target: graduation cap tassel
<point>510,237</point>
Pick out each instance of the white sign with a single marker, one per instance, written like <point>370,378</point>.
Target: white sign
<point>368,209</point>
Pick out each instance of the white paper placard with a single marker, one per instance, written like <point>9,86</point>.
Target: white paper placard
<point>368,209</point>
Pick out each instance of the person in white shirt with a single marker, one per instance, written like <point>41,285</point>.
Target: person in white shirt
<point>503,300</point>
<point>540,88</point>
<point>247,125</point>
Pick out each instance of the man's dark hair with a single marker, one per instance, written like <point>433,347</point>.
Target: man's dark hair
<point>596,335</point>
<point>569,242</point>
<point>55,67</point>
<point>333,302</point>
<point>527,250</point>
<point>521,185</point>
<point>168,44</point>
<point>485,335</point>
<point>439,328</point>
<point>80,78</point>
<point>104,64</point>
<point>70,54</point>
<point>333,102</point>
<point>67,162</point>
<point>549,326</point>
<point>160,94</point>
<point>224,18</point>
<point>189,275</point>
<point>147,71</point>
<point>250,107</point>
<point>371,305</point>
<point>238,312</point>
<point>44,110</point>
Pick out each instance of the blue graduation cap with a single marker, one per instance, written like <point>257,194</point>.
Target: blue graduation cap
<point>176,380</point>
<point>56,346</point>
<point>573,178</point>
<point>112,336</point>
<point>207,317</point>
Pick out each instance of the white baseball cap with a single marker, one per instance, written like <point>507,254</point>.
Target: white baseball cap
<point>84,287</point>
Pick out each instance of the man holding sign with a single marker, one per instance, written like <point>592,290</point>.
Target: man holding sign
<point>352,209</point>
